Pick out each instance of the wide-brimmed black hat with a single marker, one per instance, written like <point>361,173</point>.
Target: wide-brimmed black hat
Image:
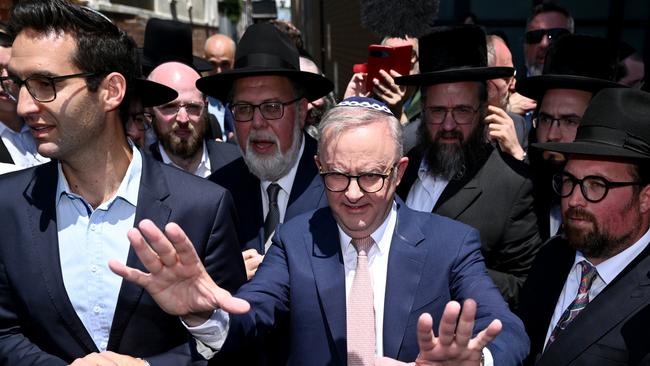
<point>152,93</point>
<point>615,124</point>
<point>575,61</point>
<point>263,50</point>
<point>453,54</point>
<point>169,40</point>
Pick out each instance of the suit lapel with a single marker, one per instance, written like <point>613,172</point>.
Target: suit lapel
<point>41,193</point>
<point>5,157</point>
<point>151,195</point>
<point>329,274</point>
<point>630,289</point>
<point>457,197</point>
<point>405,265</point>
<point>305,172</point>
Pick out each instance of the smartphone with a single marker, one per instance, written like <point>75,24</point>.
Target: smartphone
<point>387,58</point>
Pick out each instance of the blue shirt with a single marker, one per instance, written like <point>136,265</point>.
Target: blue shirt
<point>87,240</point>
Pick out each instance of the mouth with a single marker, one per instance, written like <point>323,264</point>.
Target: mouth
<point>356,209</point>
<point>183,133</point>
<point>40,131</point>
<point>263,146</point>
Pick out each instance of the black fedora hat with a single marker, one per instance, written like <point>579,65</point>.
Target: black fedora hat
<point>615,124</point>
<point>152,93</point>
<point>575,61</point>
<point>263,50</point>
<point>169,40</point>
<point>453,54</point>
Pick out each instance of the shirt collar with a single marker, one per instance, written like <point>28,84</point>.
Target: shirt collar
<point>4,128</point>
<point>128,189</point>
<point>286,182</point>
<point>612,267</point>
<point>205,160</point>
<point>378,235</point>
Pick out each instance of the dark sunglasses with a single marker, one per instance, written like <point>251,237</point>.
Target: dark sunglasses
<point>536,36</point>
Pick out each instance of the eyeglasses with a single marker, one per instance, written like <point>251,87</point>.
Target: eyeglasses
<point>42,88</point>
<point>565,124</point>
<point>193,109</point>
<point>594,188</point>
<point>367,182</point>
<point>462,115</point>
<point>243,112</point>
<point>141,121</point>
<point>536,36</point>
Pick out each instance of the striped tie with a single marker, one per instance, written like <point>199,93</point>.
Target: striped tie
<point>360,310</point>
<point>589,273</point>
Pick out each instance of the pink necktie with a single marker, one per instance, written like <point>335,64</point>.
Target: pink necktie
<point>360,310</point>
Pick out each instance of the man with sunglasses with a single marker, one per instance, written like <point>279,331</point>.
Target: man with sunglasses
<point>586,300</point>
<point>349,281</point>
<point>181,124</point>
<point>455,171</point>
<point>61,222</point>
<point>268,94</point>
<point>547,22</point>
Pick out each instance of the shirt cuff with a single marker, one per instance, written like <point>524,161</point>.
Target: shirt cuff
<point>487,357</point>
<point>211,335</point>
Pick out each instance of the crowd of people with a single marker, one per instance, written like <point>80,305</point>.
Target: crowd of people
<point>161,208</point>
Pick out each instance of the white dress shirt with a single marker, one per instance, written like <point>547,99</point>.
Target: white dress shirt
<point>21,146</point>
<point>607,271</point>
<point>202,170</point>
<point>426,190</point>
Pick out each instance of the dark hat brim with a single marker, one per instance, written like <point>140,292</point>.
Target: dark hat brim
<point>534,87</point>
<point>456,75</point>
<point>219,85</point>
<point>596,148</point>
<point>198,63</point>
<point>152,93</point>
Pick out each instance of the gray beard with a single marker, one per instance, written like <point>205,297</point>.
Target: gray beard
<point>271,168</point>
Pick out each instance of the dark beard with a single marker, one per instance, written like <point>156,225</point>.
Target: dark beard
<point>452,161</point>
<point>183,149</point>
<point>593,243</point>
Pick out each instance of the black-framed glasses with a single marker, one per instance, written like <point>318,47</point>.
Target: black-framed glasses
<point>565,124</point>
<point>594,188</point>
<point>462,115</point>
<point>140,120</point>
<point>41,88</point>
<point>243,112</point>
<point>536,36</point>
<point>367,182</point>
<point>193,109</point>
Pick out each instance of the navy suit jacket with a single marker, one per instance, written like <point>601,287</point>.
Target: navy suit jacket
<point>432,260</point>
<point>38,324</point>
<point>611,330</point>
<point>307,193</point>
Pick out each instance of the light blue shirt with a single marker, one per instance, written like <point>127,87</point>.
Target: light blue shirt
<point>87,240</point>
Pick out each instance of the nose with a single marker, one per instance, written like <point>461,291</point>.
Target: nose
<point>26,104</point>
<point>554,132</point>
<point>576,198</point>
<point>354,192</point>
<point>449,124</point>
<point>258,121</point>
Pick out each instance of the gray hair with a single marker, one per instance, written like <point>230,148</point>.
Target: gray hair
<point>342,118</point>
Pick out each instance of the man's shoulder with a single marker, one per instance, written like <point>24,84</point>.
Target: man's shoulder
<point>181,181</point>
<point>20,179</point>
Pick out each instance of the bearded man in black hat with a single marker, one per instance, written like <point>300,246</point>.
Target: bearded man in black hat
<point>586,300</point>
<point>276,178</point>
<point>576,67</point>
<point>454,170</point>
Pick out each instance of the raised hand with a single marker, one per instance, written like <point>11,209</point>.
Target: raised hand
<point>391,93</point>
<point>454,344</point>
<point>501,128</point>
<point>252,260</point>
<point>107,359</point>
<point>177,280</point>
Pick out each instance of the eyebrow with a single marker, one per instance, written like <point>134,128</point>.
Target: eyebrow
<point>561,115</point>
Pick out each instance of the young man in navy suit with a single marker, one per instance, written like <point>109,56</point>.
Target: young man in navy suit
<point>344,307</point>
<point>71,72</point>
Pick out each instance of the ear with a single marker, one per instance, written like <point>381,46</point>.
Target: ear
<point>303,112</point>
<point>113,90</point>
<point>401,168</point>
<point>644,199</point>
<point>317,161</point>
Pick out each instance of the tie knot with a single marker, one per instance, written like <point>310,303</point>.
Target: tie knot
<point>363,245</point>
<point>272,190</point>
<point>589,272</point>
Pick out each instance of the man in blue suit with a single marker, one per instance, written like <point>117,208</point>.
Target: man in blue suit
<point>276,178</point>
<point>71,73</point>
<point>352,280</point>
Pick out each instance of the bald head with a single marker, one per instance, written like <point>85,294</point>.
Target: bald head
<point>220,51</point>
<point>177,76</point>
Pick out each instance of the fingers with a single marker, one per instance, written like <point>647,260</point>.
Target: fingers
<point>128,273</point>
<point>231,304</point>
<point>249,253</point>
<point>465,325</point>
<point>252,260</point>
<point>158,242</point>
<point>182,249</point>
<point>385,361</point>
<point>447,329</point>
<point>426,340</point>
<point>487,335</point>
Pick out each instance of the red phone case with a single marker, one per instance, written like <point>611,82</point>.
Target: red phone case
<point>387,58</point>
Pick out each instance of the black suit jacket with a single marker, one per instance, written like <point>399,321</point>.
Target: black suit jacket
<point>494,197</point>
<point>38,324</point>
<point>5,157</point>
<point>307,193</point>
<point>611,330</point>
<point>220,153</point>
